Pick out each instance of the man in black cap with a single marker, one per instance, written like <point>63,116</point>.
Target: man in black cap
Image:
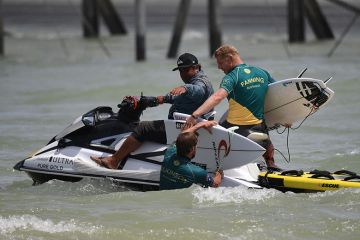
<point>196,90</point>
<point>184,99</point>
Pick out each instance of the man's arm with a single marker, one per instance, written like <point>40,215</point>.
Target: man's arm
<point>194,91</point>
<point>209,104</point>
<point>204,124</point>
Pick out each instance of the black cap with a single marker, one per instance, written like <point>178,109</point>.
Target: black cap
<point>186,60</point>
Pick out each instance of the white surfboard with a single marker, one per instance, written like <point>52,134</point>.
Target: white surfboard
<point>291,100</point>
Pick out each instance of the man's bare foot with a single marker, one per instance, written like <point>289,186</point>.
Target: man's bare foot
<point>106,162</point>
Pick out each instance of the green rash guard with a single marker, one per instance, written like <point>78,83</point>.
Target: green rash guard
<point>246,87</point>
<point>179,172</point>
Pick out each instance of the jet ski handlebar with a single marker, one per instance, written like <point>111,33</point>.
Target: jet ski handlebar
<point>132,107</point>
<point>137,103</point>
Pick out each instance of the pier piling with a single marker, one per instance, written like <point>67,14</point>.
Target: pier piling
<point>296,21</point>
<point>214,25</point>
<point>1,31</point>
<point>90,21</point>
<point>317,20</point>
<point>179,26</point>
<point>111,18</point>
<point>140,15</point>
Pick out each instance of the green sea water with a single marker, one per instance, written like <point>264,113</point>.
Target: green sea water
<point>44,88</point>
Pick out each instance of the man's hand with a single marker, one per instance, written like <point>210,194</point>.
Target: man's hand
<point>207,125</point>
<point>221,172</point>
<point>160,99</point>
<point>190,122</point>
<point>204,124</point>
<point>178,91</point>
<point>219,175</point>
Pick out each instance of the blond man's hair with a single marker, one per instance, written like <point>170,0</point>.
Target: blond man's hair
<point>226,51</point>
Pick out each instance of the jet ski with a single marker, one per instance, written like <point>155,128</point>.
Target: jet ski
<point>100,132</point>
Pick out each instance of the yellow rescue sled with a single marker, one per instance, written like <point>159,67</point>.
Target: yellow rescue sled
<point>314,181</point>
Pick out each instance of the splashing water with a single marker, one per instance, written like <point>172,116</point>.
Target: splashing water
<point>232,195</point>
<point>13,223</point>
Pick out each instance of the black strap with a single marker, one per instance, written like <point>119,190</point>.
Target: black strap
<point>324,172</point>
<point>352,178</point>
<point>345,172</point>
<point>266,180</point>
<point>297,173</point>
<point>321,174</point>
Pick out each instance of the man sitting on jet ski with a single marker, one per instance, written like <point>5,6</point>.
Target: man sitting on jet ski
<point>185,99</point>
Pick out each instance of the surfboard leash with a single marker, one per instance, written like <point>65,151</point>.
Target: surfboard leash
<point>312,111</point>
<point>287,146</point>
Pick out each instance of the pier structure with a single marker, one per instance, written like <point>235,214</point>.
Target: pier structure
<point>92,11</point>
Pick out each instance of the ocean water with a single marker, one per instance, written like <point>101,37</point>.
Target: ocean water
<point>49,78</point>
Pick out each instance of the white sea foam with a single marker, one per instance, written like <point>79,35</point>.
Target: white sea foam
<point>14,223</point>
<point>232,195</point>
<point>350,152</point>
<point>192,34</point>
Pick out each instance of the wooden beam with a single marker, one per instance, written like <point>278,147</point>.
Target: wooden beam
<point>140,15</point>
<point>111,18</point>
<point>296,26</point>
<point>346,5</point>
<point>179,26</point>
<point>90,21</point>
<point>317,20</point>
<point>214,25</point>
<point>2,50</point>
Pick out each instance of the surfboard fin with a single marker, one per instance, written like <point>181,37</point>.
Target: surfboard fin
<point>258,136</point>
<point>328,80</point>
<point>233,129</point>
<point>302,72</point>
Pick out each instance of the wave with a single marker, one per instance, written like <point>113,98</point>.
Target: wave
<point>350,152</point>
<point>11,224</point>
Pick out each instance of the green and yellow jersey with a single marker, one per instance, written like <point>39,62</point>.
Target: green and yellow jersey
<point>246,87</point>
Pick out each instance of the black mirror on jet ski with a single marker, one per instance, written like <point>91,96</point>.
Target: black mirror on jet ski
<point>97,115</point>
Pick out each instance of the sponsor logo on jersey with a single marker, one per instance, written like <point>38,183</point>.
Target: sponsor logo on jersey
<point>252,81</point>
